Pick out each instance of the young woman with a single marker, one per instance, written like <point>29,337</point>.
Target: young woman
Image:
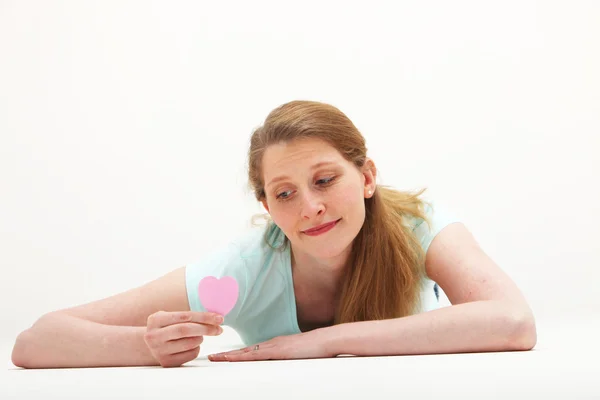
<point>342,266</point>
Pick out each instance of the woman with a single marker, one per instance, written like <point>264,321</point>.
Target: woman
<point>343,266</point>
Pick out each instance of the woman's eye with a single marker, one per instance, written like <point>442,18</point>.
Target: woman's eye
<point>283,195</point>
<point>326,180</point>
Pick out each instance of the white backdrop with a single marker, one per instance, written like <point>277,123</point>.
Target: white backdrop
<point>124,128</point>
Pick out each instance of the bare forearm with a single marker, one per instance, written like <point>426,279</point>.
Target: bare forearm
<point>63,341</point>
<point>471,327</point>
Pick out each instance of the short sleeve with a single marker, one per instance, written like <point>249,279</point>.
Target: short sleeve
<point>439,219</point>
<point>225,261</point>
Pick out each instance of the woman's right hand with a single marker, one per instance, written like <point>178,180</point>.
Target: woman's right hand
<point>174,338</point>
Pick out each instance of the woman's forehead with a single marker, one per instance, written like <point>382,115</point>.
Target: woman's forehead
<point>283,159</point>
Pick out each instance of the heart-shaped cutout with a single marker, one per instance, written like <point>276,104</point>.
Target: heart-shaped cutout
<point>218,295</point>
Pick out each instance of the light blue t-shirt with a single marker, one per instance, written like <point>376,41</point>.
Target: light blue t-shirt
<point>266,306</point>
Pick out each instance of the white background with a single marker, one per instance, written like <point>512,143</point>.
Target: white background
<point>124,128</point>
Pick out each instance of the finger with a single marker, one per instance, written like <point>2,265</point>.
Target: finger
<point>174,347</point>
<point>179,359</point>
<point>254,355</point>
<point>189,329</point>
<point>163,318</point>
<point>239,351</point>
<point>225,356</point>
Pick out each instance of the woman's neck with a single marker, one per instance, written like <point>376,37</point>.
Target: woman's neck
<point>321,278</point>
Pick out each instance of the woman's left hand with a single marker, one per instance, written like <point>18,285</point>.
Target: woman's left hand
<point>305,345</point>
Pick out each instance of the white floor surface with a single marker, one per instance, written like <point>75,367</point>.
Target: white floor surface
<point>562,366</point>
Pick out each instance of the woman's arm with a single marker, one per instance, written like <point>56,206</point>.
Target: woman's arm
<point>479,326</point>
<point>488,311</point>
<point>106,332</point>
<point>60,340</point>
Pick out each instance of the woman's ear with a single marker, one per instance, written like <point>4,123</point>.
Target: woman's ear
<point>370,174</point>
<point>265,205</point>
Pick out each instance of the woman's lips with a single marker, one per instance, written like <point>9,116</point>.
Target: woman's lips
<point>321,229</point>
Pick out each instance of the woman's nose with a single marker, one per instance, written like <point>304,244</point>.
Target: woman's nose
<point>312,206</point>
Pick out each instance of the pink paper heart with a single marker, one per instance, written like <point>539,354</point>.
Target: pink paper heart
<point>218,295</point>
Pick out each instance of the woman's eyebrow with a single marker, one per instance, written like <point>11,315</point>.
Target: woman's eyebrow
<point>284,177</point>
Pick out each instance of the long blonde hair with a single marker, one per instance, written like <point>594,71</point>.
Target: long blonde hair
<point>386,264</point>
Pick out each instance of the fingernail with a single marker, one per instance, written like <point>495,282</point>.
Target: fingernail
<point>219,319</point>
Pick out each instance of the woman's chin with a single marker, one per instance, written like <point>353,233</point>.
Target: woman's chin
<point>328,251</point>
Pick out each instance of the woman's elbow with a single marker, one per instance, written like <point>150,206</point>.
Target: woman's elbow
<point>18,356</point>
<point>523,334</point>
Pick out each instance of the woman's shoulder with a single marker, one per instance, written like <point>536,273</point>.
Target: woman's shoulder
<point>259,240</point>
<point>437,217</point>
<point>245,251</point>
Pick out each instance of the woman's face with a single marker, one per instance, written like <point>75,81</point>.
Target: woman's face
<point>307,184</point>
